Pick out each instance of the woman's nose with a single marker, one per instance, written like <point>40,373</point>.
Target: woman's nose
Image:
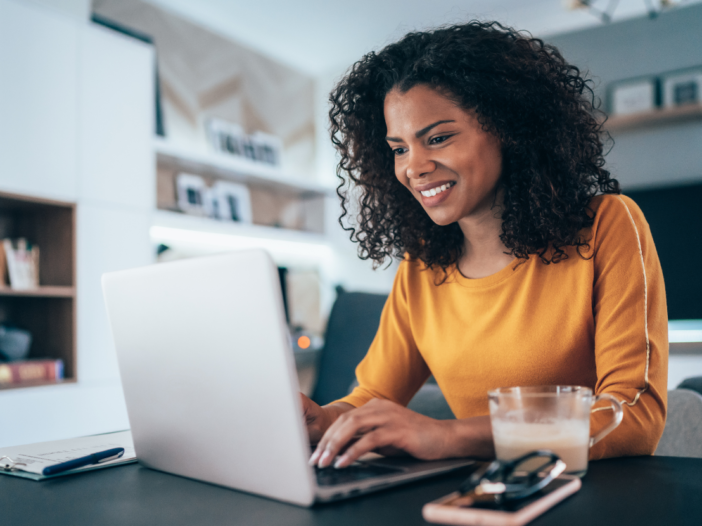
<point>419,164</point>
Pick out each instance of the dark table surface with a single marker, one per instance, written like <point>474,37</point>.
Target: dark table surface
<point>626,491</point>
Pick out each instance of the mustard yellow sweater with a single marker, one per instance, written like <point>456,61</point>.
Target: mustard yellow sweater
<point>599,322</point>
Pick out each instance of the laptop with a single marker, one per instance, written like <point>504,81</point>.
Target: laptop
<point>210,383</point>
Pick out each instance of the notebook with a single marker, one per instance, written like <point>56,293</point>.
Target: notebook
<point>29,461</point>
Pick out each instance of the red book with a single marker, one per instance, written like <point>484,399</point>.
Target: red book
<point>12,373</point>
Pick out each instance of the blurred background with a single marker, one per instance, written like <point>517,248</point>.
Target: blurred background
<point>134,132</point>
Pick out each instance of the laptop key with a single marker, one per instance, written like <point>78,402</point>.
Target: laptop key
<point>331,476</point>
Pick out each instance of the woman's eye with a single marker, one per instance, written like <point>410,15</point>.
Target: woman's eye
<point>439,139</point>
<point>398,151</point>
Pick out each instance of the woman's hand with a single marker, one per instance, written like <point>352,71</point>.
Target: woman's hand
<point>318,418</point>
<point>385,427</point>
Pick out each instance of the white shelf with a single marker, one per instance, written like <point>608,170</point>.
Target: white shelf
<point>201,235</point>
<point>235,168</point>
<point>176,220</point>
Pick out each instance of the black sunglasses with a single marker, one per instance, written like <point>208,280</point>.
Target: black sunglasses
<point>515,479</point>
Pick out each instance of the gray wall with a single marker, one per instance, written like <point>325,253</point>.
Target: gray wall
<point>656,156</point>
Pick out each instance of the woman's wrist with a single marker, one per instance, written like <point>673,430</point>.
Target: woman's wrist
<point>469,437</point>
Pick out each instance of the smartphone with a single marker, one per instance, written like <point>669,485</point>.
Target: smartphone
<point>484,511</point>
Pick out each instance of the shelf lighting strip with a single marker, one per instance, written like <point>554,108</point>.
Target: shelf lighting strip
<point>297,249</point>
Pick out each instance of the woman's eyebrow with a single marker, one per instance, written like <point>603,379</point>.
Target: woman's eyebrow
<point>421,132</point>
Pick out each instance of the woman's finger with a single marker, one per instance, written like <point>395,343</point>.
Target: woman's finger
<point>344,430</point>
<point>378,438</point>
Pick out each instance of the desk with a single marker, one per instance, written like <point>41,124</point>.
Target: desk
<point>637,491</point>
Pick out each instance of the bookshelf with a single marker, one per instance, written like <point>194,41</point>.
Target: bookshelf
<point>658,117</point>
<point>272,190</point>
<point>49,311</point>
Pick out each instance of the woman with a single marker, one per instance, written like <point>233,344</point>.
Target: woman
<point>478,157</point>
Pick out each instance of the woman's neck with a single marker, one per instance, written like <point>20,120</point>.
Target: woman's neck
<point>484,253</point>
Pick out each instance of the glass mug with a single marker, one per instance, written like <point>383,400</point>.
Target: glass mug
<point>555,417</point>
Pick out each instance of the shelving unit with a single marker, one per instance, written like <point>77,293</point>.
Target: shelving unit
<point>234,168</point>
<point>41,292</point>
<point>655,118</point>
<point>272,190</point>
<point>48,312</point>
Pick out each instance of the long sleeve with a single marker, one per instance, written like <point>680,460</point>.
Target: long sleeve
<point>631,332</point>
<point>393,369</point>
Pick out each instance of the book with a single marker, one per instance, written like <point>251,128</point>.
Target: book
<point>29,461</point>
<point>12,373</point>
<point>22,263</point>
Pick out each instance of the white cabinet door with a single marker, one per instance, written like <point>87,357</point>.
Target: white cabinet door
<point>116,119</point>
<point>109,238</point>
<point>38,101</point>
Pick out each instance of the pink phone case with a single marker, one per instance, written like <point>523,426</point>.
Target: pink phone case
<point>439,512</point>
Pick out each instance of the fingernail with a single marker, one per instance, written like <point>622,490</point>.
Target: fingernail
<point>339,461</point>
<point>323,462</point>
<point>314,457</point>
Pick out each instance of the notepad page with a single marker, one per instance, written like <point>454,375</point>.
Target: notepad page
<point>40,455</point>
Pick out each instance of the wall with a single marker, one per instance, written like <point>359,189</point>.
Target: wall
<point>648,157</point>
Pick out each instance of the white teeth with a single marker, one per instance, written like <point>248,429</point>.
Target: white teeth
<point>437,190</point>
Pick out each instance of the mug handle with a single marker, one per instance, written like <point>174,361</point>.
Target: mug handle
<point>618,415</point>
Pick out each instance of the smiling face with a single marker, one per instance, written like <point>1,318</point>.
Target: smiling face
<point>442,155</point>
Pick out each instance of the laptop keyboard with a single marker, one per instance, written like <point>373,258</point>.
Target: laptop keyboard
<point>355,472</point>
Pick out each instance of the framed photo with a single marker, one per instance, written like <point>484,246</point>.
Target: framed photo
<point>226,137</point>
<point>634,96</point>
<point>682,87</point>
<point>267,148</point>
<point>194,197</point>
<point>229,138</point>
<point>232,202</point>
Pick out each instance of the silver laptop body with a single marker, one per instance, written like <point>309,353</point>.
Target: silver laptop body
<point>210,382</point>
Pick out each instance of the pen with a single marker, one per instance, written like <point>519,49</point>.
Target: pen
<point>95,458</point>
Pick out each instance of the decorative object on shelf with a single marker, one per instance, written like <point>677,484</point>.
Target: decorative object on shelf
<point>232,202</point>
<point>14,343</point>
<point>194,197</point>
<point>229,138</point>
<point>226,137</point>
<point>22,263</point>
<point>304,299</point>
<point>30,371</point>
<point>682,87</point>
<point>632,96</point>
<point>604,10</point>
<point>267,148</point>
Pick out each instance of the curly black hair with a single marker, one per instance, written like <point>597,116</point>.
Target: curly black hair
<point>541,108</point>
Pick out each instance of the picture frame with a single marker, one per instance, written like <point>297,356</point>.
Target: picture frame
<point>682,87</point>
<point>194,197</point>
<point>229,138</point>
<point>226,137</point>
<point>232,202</point>
<point>632,96</point>
<point>267,148</point>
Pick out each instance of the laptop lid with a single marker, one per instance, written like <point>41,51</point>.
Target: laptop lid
<point>208,374</point>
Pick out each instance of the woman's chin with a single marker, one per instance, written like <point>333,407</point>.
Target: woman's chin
<point>443,219</point>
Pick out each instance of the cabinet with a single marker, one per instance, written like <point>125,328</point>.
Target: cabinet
<point>48,312</point>
<point>38,101</point>
<point>116,121</point>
